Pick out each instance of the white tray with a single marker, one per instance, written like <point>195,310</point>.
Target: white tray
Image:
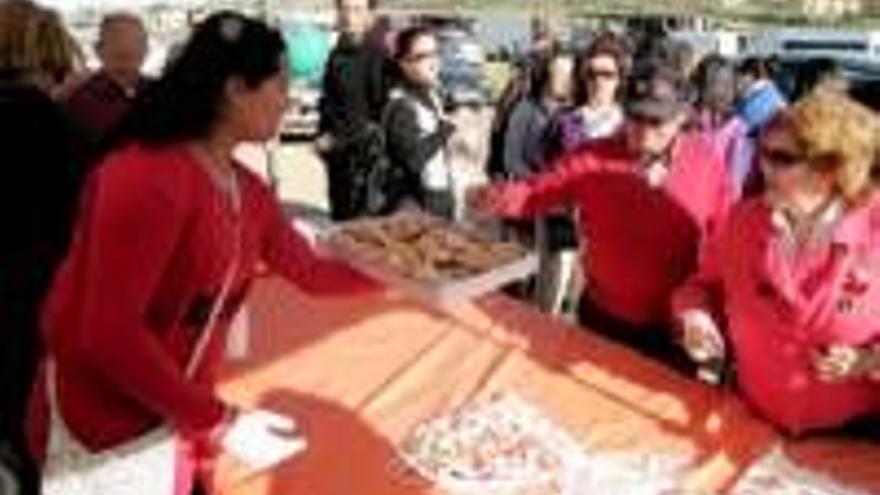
<point>437,292</point>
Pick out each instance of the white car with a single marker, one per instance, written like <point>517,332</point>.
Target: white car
<point>301,120</point>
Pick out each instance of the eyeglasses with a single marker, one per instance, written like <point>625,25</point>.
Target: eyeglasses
<point>781,159</point>
<point>602,74</point>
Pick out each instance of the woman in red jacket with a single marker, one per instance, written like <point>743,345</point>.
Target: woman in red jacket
<point>170,231</point>
<point>794,278</point>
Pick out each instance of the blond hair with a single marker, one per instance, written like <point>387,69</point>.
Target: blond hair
<point>34,43</point>
<point>837,134</point>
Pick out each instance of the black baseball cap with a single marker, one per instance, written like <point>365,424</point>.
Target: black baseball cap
<point>656,92</point>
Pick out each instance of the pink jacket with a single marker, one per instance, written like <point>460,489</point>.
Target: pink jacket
<point>781,304</point>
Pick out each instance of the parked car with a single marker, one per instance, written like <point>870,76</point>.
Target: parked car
<point>301,121</point>
<point>806,43</point>
<point>862,76</point>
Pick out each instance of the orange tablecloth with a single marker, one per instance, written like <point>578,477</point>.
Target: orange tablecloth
<point>359,374</point>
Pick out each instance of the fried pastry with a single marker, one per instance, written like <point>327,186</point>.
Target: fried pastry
<point>423,248</point>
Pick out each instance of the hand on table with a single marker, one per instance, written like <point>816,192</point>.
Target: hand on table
<point>262,439</point>
<point>842,363</point>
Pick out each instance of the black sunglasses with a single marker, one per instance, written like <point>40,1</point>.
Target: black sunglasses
<point>602,74</point>
<point>781,159</point>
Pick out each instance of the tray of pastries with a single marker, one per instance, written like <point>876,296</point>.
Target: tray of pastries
<point>419,253</point>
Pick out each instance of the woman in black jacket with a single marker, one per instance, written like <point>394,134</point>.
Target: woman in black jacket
<point>45,157</point>
<point>417,130</point>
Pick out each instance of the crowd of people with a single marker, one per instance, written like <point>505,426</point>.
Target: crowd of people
<point>689,209</point>
<point>724,226</point>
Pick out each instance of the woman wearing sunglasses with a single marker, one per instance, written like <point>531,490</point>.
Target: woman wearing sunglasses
<point>598,82</point>
<point>794,278</point>
<point>417,129</point>
<point>600,72</point>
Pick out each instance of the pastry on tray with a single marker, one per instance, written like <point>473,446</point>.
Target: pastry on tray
<point>423,248</point>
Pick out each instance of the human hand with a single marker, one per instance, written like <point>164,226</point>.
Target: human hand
<point>486,199</point>
<point>262,439</point>
<point>703,340</point>
<point>842,363</point>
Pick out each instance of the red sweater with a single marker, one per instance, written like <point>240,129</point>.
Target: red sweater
<point>639,243</point>
<point>151,250</point>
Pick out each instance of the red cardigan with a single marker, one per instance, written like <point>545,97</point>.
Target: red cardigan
<point>151,249</point>
<point>639,243</point>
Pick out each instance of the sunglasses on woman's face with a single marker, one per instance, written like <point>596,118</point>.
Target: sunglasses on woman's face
<point>602,74</point>
<point>781,159</point>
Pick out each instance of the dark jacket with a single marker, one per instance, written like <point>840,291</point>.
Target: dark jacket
<point>356,83</point>
<point>100,104</point>
<point>45,159</point>
<point>357,79</point>
<point>416,134</point>
<point>526,138</point>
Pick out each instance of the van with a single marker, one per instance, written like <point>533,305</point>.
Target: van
<point>725,43</point>
<point>816,43</point>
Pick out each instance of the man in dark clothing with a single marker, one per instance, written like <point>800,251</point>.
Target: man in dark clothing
<point>356,85</point>
<point>102,101</point>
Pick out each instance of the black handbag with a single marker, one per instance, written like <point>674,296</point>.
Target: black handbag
<point>370,170</point>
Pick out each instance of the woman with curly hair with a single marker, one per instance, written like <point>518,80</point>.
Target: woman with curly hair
<point>791,289</point>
